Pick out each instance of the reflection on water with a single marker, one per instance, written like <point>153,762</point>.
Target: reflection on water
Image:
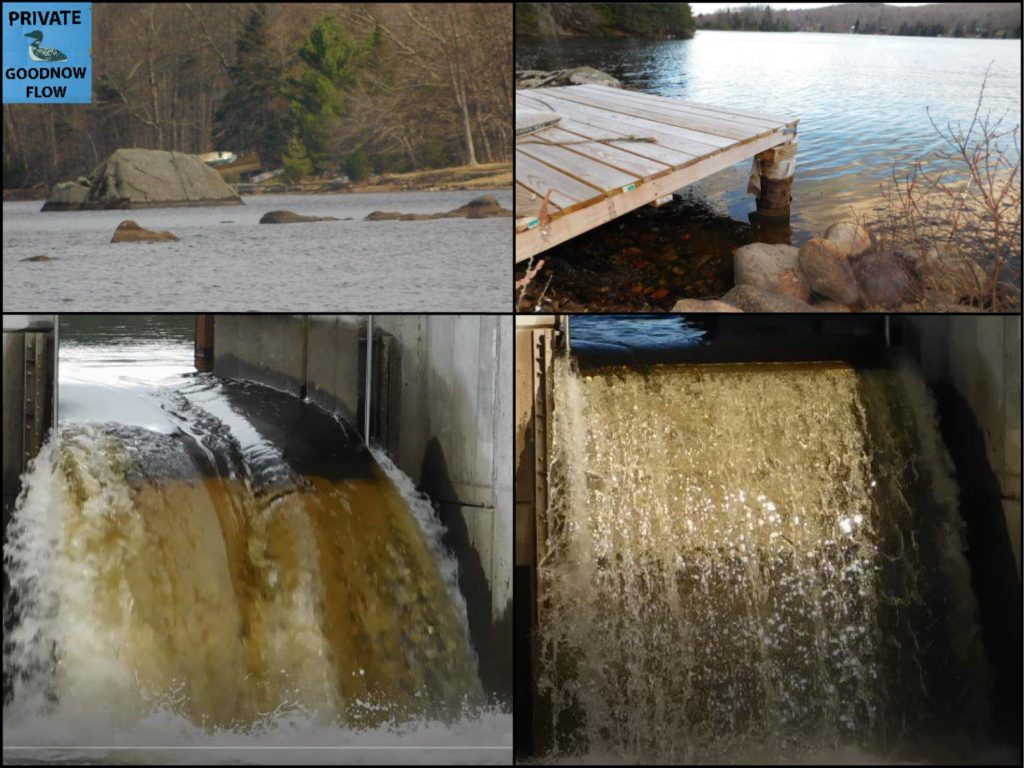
<point>863,104</point>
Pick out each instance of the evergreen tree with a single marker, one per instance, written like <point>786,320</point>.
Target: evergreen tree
<point>357,166</point>
<point>251,116</point>
<point>332,61</point>
<point>296,161</point>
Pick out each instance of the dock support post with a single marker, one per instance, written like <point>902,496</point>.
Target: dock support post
<point>776,168</point>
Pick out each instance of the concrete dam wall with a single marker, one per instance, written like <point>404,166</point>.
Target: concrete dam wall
<point>440,406</point>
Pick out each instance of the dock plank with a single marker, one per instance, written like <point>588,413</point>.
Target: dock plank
<point>654,151</point>
<point>625,107</point>
<point>581,167</point>
<point>678,138</point>
<point>637,167</point>
<point>702,113</point>
<point>528,203</point>
<point>566,192</point>
<point>758,118</point>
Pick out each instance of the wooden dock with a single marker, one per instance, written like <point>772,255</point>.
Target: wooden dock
<point>616,150</point>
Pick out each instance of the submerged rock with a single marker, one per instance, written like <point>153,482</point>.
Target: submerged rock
<point>703,305</point>
<point>772,268</point>
<point>828,272</point>
<point>850,238</point>
<point>751,299</point>
<point>130,232</point>
<point>483,207</point>
<point>145,178</point>
<point>287,217</point>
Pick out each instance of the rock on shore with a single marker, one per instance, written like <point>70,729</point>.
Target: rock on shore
<point>828,271</point>
<point>772,268</point>
<point>532,78</point>
<point>144,178</point>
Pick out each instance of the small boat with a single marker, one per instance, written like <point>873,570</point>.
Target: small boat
<point>218,158</point>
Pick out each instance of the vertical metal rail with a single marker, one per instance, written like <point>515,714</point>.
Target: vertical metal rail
<point>369,378</point>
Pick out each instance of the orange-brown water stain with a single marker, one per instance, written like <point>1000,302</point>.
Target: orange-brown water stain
<point>327,596</point>
<point>396,637</point>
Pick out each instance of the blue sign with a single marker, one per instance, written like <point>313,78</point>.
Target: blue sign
<point>47,53</point>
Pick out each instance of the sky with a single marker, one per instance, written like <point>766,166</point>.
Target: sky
<point>712,7</point>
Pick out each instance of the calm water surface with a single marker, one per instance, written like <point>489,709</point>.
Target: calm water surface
<point>226,261</point>
<point>863,104</point>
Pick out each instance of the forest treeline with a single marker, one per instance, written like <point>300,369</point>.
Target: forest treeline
<point>312,87</point>
<point>934,20</point>
<point>658,20</point>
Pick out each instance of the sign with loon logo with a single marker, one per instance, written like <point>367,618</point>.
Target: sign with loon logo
<point>47,53</point>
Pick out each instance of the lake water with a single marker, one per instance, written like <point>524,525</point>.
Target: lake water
<point>226,261</point>
<point>863,105</point>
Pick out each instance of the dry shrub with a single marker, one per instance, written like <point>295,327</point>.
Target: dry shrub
<point>956,217</point>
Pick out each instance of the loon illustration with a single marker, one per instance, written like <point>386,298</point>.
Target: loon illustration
<point>37,53</point>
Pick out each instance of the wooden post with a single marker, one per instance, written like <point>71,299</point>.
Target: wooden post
<point>777,167</point>
<point>204,343</point>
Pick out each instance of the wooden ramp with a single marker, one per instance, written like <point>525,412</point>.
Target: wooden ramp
<point>658,146</point>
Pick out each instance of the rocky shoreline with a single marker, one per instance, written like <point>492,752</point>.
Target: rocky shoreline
<point>846,271</point>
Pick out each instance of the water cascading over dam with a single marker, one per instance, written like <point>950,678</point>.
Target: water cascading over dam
<point>754,563</point>
<point>244,560</point>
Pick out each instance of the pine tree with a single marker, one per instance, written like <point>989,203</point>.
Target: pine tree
<point>251,117</point>
<point>332,61</point>
<point>296,161</point>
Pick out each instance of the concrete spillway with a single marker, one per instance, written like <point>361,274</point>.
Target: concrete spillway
<point>201,563</point>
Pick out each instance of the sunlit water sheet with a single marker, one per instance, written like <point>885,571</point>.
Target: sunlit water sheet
<point>756,564</point>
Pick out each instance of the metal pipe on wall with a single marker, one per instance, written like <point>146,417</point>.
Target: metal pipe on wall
<point>369,378</point>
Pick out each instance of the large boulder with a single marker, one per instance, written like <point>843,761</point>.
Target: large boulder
<point>151,178</point>
<point>751,299</point>
<point>287,217</point>
<point>703,305</point>
<point>771,267</point>
<point>827,271</point>
<point>850,238</point>
<point>66,196</point>
<point>130,232</point>
<point>885,282</point>
<point>533,78</point>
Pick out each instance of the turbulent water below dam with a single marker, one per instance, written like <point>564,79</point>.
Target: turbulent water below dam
<point>226,573</point>
<point>755,564</point>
